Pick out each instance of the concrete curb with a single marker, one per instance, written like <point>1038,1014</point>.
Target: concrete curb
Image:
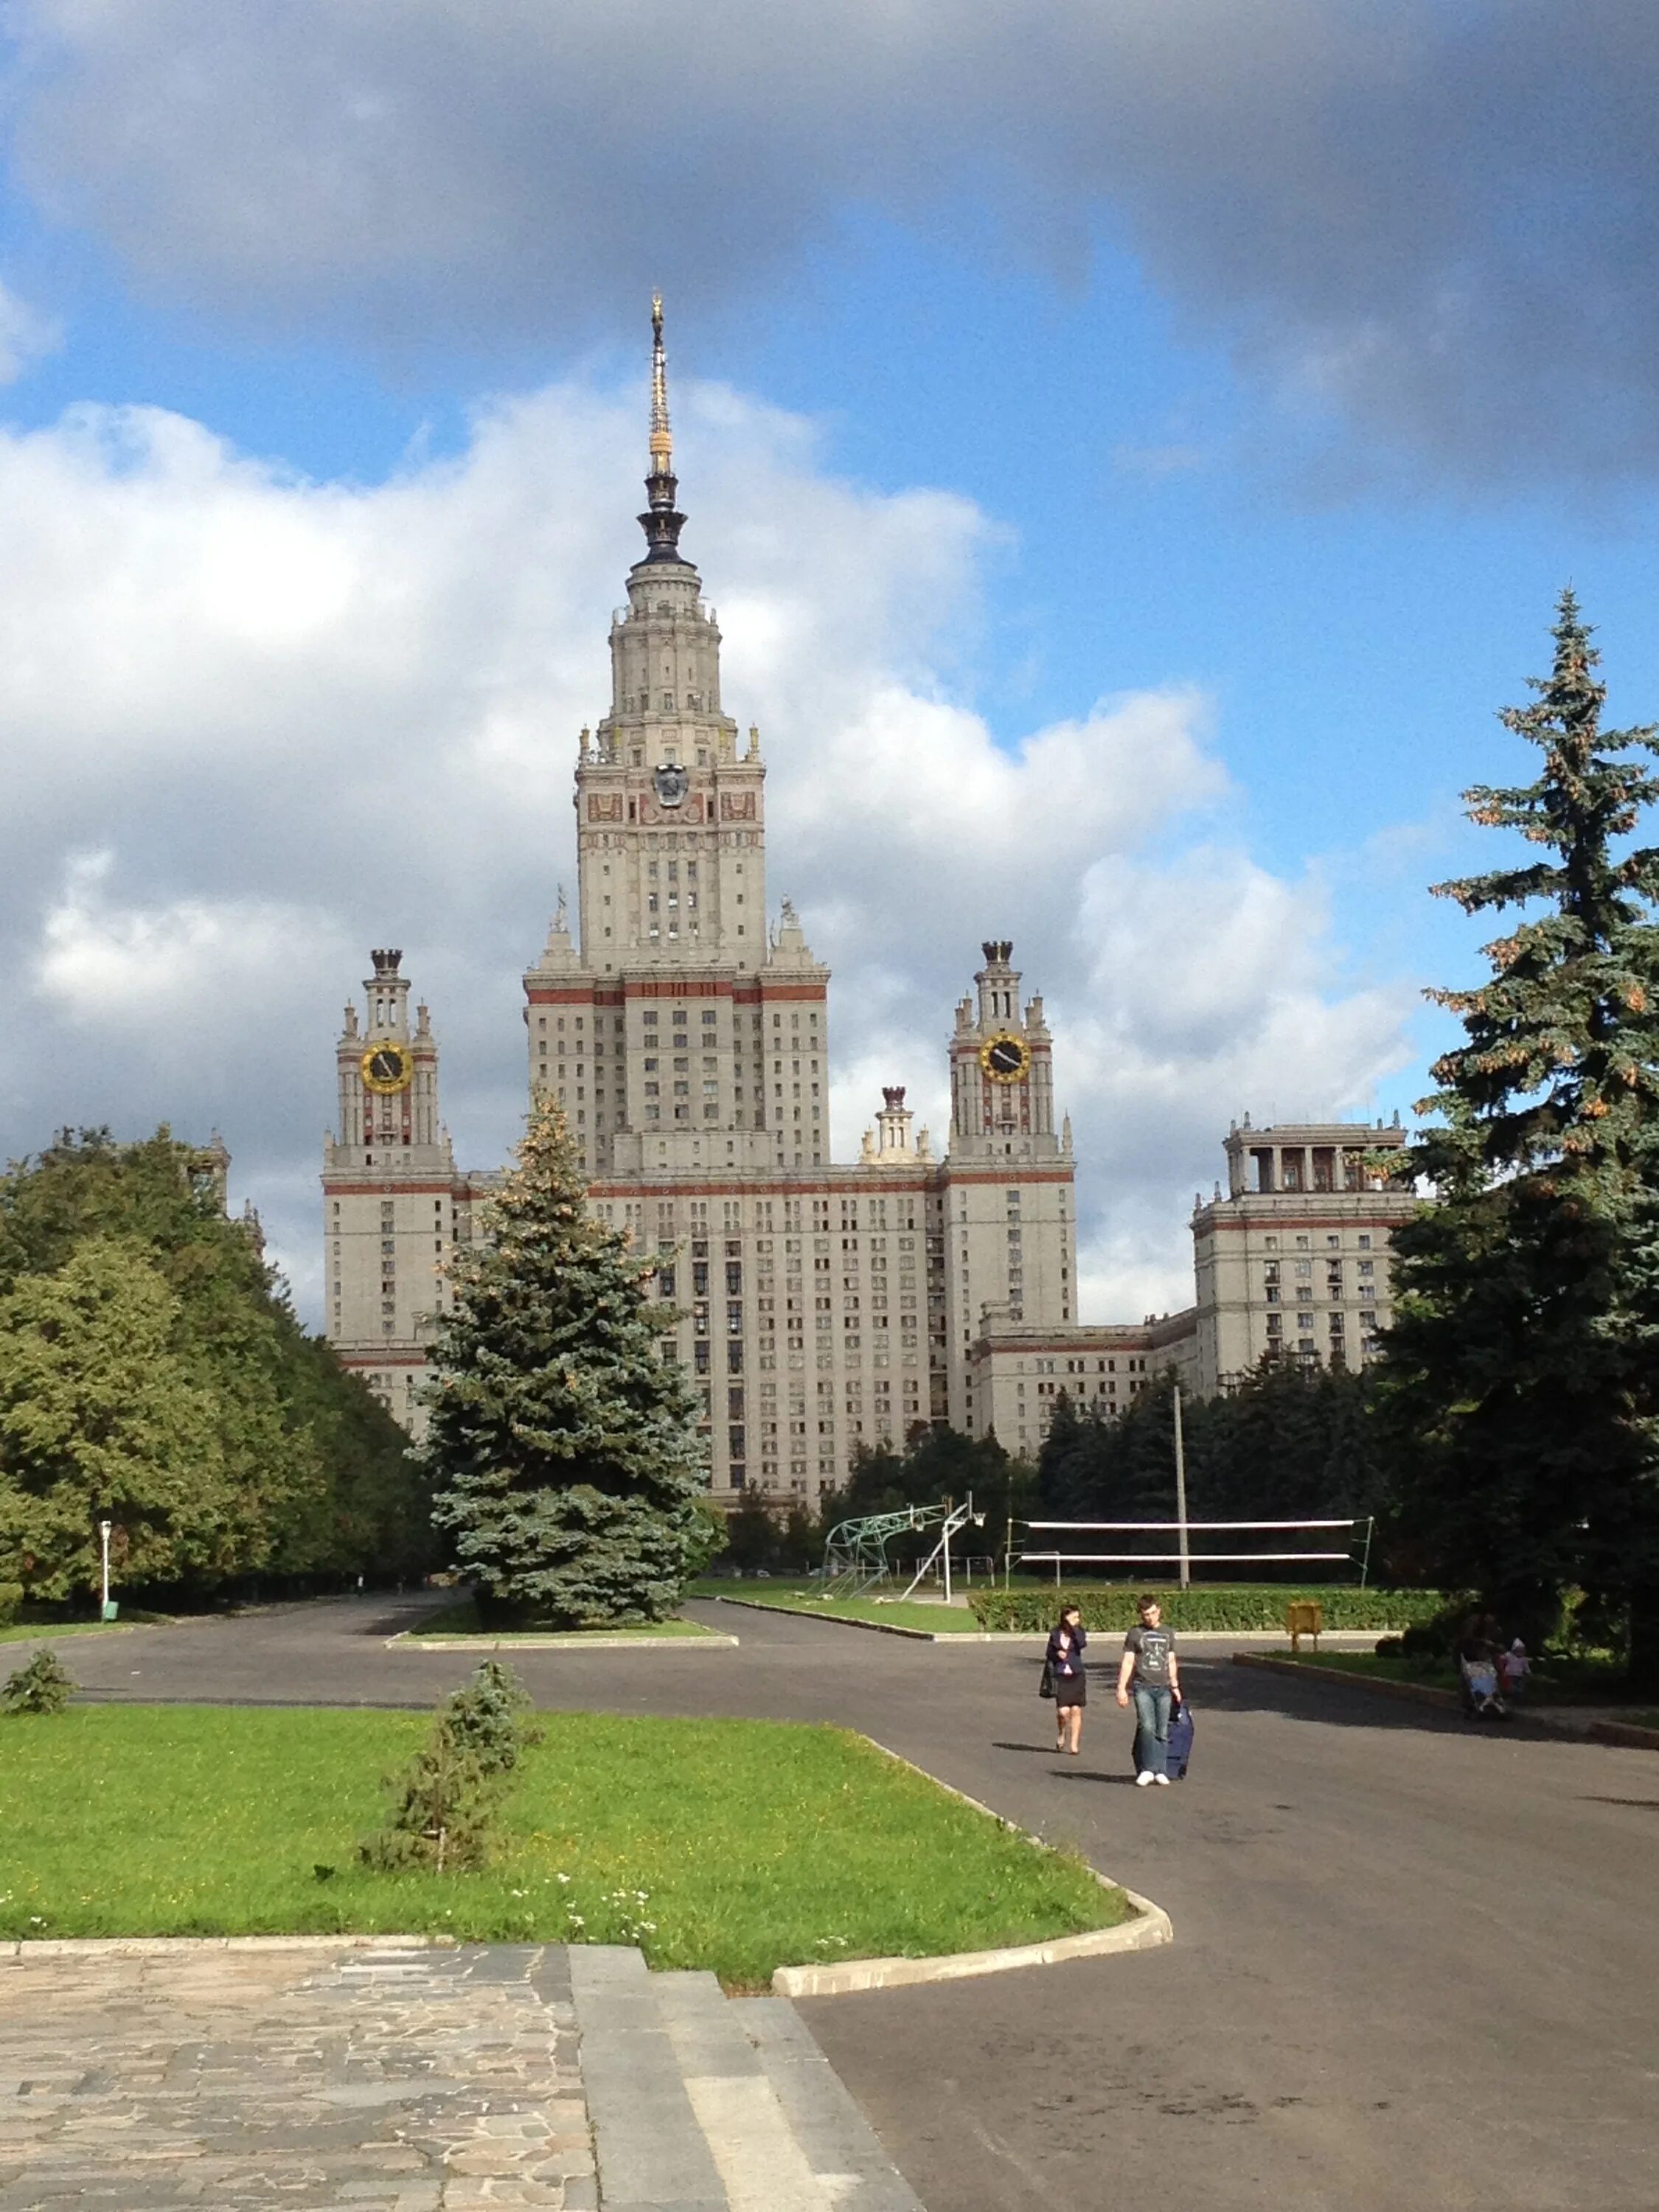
<point>165,1946</point>
<point>1340,1640</point>
<point>1149,1927</point>
<point>584,1640</point>
<point>841,1621</point>
<point>1625,1733</point>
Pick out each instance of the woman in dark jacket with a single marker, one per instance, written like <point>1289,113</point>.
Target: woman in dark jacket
<point>1067,1643</point>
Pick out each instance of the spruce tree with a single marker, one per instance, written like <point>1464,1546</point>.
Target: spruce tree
<point>564,1445</point>
<point>1515,1388</point>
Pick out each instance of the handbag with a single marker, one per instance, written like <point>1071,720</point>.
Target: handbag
<point>1046,1684</point>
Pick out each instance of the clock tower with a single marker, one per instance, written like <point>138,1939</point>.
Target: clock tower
<point>1010,1227</point>
<point>1002,1086</point>
<point>390,1195</point>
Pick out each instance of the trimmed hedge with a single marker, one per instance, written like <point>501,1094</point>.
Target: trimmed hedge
<point>1242,1607</point>
<point>11,1602</point>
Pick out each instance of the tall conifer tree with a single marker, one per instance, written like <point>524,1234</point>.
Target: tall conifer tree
<point>564,1445</point>
<point>1515,1392</point>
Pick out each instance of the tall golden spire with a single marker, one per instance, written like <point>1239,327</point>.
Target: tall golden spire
<point>662,443</point>
<point>662,523</point>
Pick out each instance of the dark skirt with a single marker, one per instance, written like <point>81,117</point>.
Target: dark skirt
<point>1071,1689</point>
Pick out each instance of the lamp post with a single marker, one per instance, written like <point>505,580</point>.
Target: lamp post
<point>105,1611</point>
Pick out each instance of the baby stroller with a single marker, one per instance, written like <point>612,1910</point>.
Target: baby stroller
<point>1482,1698</point>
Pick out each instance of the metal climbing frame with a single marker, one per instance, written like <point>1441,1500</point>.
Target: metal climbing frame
<point>855,1552</point>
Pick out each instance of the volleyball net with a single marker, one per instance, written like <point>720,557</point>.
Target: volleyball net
<point>1191,1553</point>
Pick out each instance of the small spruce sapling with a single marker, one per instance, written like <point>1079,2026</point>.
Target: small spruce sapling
<point>448,1798</point>
<point>490,1718</point>
<point>43,1686</point>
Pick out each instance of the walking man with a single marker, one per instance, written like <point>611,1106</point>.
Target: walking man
<point>1149,1669</point>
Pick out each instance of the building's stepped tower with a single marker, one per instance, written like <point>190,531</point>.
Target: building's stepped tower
<point>679,1036</point>
<point>1009,1226</point>
<point>390,1192</point>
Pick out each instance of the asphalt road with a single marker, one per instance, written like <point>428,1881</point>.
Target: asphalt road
<point>1414,1965</point>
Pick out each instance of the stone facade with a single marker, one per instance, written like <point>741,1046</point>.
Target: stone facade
<point>1295,1260</point>
<point>825,1306</point>
<point>1293,1263</point>
<point>394,1205</point>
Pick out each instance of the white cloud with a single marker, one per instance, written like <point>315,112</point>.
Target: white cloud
<point>131,969</point>
<point>256,725</point>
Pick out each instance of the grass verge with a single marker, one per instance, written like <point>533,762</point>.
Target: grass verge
<point>462,1622</point>
<point>804,1596</point>
<point>734,1845</point>
<point>40,1632</point>
<point>1565,1682</point>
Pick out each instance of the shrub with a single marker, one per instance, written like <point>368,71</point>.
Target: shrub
<point>448,1798</point>
<point>1246,1609</point>
<point>441,1817</point>
<point>1389,1647</point>
<point>43,1685</point>
<point>488,1718</point>
<point>11,1602</point>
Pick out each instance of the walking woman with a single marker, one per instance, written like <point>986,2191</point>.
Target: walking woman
<point>1066,1644</point>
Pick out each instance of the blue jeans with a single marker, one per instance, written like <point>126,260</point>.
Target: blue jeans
<point>1152,1727</point>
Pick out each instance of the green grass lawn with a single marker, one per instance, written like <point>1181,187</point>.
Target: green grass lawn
<point>39,1631</point>
<point>736,1845</point>
<point>801,1597</point>
<point>462,1622</point>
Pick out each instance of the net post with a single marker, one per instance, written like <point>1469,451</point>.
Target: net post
<point>1181,1493</point>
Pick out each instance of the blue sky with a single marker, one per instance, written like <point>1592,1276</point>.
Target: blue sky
<point>1292,379</point>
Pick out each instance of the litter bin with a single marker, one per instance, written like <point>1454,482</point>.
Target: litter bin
<point>111,1608</point>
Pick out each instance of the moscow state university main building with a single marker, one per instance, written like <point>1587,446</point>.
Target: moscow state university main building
<point>684,1031</point>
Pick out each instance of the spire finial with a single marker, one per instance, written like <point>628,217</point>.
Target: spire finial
<point>662,443</point>
<point>663,523</point>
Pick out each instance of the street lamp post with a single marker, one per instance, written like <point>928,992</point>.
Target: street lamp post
<point>105,1611</point>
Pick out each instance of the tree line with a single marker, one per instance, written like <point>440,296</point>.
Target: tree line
<point>153,1372</point>
<point>1508,1437</point>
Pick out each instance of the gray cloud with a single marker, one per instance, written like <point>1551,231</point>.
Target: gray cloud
<point>1435,219</point>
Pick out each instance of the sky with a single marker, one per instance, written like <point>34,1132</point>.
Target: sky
<point>1135,447</point>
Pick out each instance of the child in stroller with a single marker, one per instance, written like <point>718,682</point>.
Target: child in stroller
<point>1477,1668</point>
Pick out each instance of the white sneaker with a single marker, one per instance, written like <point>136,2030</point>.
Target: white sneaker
<point>1162,1780</point>
<point>1144,1779</point>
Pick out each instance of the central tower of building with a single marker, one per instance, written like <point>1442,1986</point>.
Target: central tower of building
<point>682,1036</point>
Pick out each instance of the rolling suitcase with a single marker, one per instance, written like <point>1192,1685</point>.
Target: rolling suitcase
<point>1181,1742</point>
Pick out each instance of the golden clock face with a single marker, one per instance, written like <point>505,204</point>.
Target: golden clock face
<point>388,1068</point>
<point>1006,1058</point>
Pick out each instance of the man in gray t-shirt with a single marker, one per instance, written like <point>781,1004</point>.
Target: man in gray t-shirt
<point>1149,1669</point>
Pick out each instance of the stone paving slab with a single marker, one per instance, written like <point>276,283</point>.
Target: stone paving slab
<point>420,2081</point>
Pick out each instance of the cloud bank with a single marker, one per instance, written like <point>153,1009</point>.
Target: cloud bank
<point>254,725</point>
<point>1437,218</point>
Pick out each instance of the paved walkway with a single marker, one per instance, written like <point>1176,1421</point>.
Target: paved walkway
<point>422,2081</point>
<point>1413,1963</point>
